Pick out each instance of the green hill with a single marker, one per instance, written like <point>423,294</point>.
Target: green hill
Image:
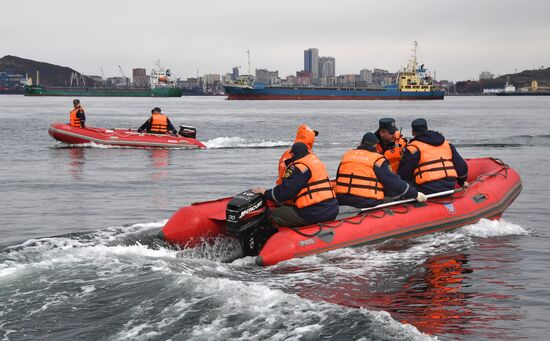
<point>50,74</point>
<point>519,80</point>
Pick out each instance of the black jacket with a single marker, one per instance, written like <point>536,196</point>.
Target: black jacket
<point>409,163</point>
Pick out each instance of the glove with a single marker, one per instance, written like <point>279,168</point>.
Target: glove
<point>466,185</point>
<point>259,190</point>
<point>421,197</point>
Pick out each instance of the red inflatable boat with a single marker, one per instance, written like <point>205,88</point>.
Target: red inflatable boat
<point>494,186</point>
<point>123,137</point>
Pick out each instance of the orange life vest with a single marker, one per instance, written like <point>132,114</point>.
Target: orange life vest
<point>393,155</point>
<point>318,187</point>
<point>356,174</point>
<point>435,162</point>
<point>159,124</point>
<point>74,120</point>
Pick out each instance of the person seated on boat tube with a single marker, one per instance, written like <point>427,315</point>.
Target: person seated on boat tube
<point>158,123</point>
<point>391,143</point>
<point>306,185</point>
<point>77,117</point>
<point>305,135</point>
<point>364,175</point>
<point>431,162</point>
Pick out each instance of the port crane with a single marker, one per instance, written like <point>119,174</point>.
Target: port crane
<point>126,79</point>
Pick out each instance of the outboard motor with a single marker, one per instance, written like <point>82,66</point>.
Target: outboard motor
<point>188,131</point>
<point>247,218</point>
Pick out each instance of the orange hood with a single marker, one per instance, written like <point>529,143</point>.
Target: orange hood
<point>305,135</point>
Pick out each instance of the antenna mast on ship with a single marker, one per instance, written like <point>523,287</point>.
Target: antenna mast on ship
<point>248,53</point>
<point>412,62</point>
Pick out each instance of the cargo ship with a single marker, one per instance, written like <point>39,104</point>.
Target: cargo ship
<point>412,83</point>
<point>161,86</point>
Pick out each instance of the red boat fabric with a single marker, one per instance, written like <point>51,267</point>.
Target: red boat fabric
<point>494,186</point>
<point>119,137</point>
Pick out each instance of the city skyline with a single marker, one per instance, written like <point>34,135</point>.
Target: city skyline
<point>458,41</point>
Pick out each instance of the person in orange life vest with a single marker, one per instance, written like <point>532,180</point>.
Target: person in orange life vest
<point>431,162</point>
<point>391,142</point>
<point>305,135</point>
<point>364,175</point>
<point>158,123</point>
<point>77,116</point>
<point>307,185</point>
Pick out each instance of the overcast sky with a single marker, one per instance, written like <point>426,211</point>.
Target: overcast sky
<point>457,39</point>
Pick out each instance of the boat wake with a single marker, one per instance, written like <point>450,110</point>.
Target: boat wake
<point>163,292</point>
<point>239,142</point>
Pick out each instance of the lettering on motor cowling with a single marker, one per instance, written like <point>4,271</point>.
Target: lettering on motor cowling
<point>250,209</point>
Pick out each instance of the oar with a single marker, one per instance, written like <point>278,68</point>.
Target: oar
<point>399,202</point>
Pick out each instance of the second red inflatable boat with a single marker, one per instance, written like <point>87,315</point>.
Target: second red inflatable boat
<point>124,137</point>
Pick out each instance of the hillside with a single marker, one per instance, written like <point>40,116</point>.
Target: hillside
<point>519,80</point>
<point>50,74</point>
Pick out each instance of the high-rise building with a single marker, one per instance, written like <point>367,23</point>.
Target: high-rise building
<point>311,62</point>
<point>327,67</point>
<point>485,75</point>
<point>235,74</point>
<point>365,75</point>
<point>139,77</point>
<point>265,76</point>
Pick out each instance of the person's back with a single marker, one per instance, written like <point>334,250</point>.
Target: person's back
<point>356,181</point>
<point>304,134</point>
<point>77,116</point>
<point>431,162</point>
<point>305,189</point>
<point>158,123</point>
<point>364,177</point>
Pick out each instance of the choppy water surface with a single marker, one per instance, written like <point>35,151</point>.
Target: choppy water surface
<point>78,257</point>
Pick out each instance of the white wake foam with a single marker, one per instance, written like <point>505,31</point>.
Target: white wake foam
<point>47,252</point>
<point>239,142</point>
<point>494,228</point>
<point>241,311</point>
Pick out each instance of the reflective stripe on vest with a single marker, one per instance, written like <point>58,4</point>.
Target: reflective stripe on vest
<point>318,188</point>
<point>356,175</point>
<point>159,124</point>
<point>75,121</point>
<point>282,166</point>
<point>435,162</point>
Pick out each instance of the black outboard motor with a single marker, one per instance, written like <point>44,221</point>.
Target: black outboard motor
<point>188,131</point>
<point>247,218</point>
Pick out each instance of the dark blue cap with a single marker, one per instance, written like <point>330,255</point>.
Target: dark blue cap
<point>388,124</point>
<point>155,109</point>
<point>369,139</point>
<point>299,150</point>
<point>419,125</point>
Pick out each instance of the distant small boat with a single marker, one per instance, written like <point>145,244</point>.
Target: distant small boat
<point>124,137</point>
